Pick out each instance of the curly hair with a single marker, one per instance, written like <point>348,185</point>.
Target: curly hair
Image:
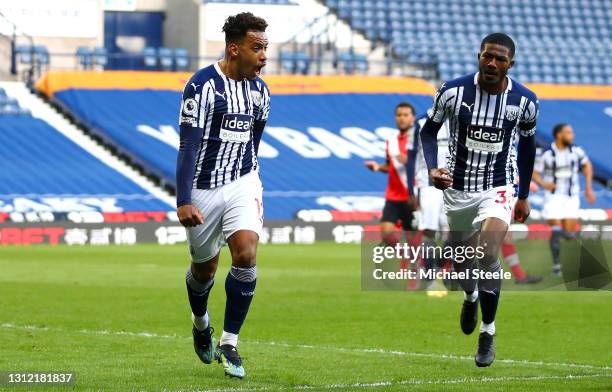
<point>499,39</point>
<point>237,26</point>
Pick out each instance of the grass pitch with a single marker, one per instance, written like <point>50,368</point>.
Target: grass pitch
<point>119,318</point>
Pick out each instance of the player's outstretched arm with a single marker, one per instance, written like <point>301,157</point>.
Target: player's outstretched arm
<point>190,138</point>
<point>526,151</point>
<point>429,139</point>
<point>587,170</point>
<point>537,178</point>
<point>188,214</point>
<point>377,167</point>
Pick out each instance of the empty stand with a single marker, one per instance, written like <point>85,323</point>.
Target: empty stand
<point>44,156</point>
<point>553,37</point>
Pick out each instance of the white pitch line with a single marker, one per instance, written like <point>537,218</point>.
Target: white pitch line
<point>380,384</point>
<point>152,335</point>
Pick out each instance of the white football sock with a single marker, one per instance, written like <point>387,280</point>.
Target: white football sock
<point>488,328</point>
<point>200,322</point>
<point>228,338</point>
<point>472,297</point>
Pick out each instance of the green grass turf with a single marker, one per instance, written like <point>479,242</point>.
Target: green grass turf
<point>81,309</point>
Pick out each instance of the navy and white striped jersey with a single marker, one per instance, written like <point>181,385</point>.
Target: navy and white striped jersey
<point>223,112</point>
<point>482,128</point>
<point>422,174</point>
<point>561,167</point>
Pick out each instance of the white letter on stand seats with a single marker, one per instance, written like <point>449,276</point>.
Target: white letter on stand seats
<point>366,140</point>
<point>266,150</point>
<point>299,142</point>
<point>339,146</point>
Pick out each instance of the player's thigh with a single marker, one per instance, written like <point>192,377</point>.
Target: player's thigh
<point>390,215</point>
<point>206,240</point>
<point>406,216</point>
<point>569,224</point>
<point>243,206</point>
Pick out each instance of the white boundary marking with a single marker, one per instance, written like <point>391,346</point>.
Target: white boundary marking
<point>152,335</point>
<point>380,384</point>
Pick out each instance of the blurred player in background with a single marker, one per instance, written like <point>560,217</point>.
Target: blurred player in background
<point>556,171</point>
<point>508,249</point>
<point>484,110</point>
<point>399,200</point>
<point>219,194</point>
<point>432,218</point>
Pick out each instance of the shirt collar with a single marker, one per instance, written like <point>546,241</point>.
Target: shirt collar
<point>508,88</point>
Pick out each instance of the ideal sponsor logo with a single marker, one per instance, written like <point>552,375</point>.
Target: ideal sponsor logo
<point>236,127</point>
<point>482,138</point>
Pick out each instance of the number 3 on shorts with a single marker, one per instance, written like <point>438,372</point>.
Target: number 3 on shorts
<point>501,197</point>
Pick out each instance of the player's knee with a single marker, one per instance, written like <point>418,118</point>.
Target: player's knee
<point>203,272</point>
<point>245,257</point>
<point>490,265</point>
<point>391,238</point>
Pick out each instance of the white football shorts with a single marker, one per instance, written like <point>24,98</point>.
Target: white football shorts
<point>431,209</point>
<point>559,207</point>
<point>226,209</point>
<point>466,210</point>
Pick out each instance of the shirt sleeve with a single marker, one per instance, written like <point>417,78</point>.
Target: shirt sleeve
<point>261,116</point>
<point>439,110</point>
<point>264,104</point>
<point>527,123</point>
<point>193,113</point>
<point>539,163</point>
<point>582,156</point>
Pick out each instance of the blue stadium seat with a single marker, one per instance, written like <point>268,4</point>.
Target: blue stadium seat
<point>181,59</point>
<point>166,58</point>
<point>25,54</point>
<point>41,54</point>
<point>83,55</point>
<point>150,58</point>
<point>562,27</point>
<point>100,57</point>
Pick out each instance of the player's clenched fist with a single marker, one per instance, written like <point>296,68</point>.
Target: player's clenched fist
<point>441,178</point>
<point>189,216</point>
<point>521,210</point>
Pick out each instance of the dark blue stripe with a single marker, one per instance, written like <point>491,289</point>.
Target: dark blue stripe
<point>214,143</point>
<point>461,152</point>
<point>571,156</point>
<point>554,168</point>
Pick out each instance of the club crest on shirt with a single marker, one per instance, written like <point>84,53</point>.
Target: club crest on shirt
<point>256,97</point>
<point>512,112</point>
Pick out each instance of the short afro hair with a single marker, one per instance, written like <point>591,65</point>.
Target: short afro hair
<point>405,105</point>
<point>499,39</point>
<point>237,26</point>
<point>558,128</point>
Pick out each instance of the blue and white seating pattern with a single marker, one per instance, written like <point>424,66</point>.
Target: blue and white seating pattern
<point>553,37</point>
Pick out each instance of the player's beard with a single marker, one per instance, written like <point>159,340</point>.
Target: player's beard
<point>566,142</point>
